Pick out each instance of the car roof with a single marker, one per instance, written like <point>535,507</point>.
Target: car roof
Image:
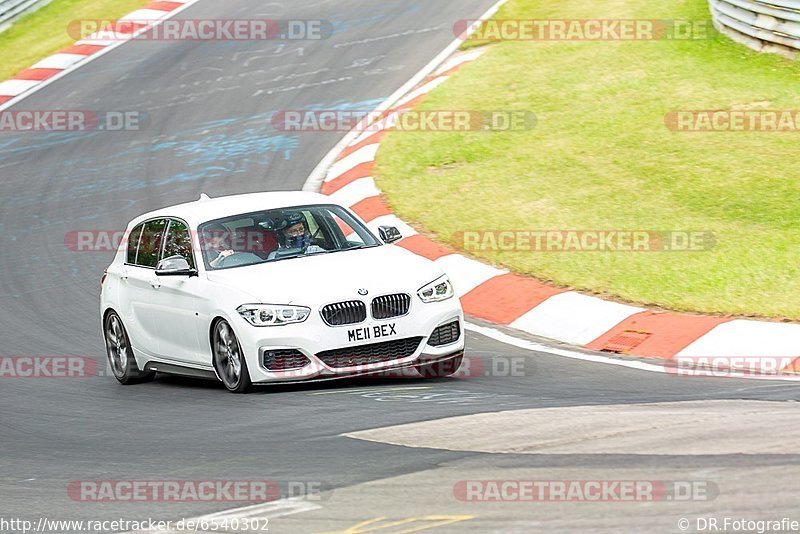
<point>207,209</point>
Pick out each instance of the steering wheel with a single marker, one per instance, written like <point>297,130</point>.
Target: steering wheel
<point>239,258</point>
<point>315,239</point>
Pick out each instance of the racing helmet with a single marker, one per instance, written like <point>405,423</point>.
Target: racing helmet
<point>290,220</point>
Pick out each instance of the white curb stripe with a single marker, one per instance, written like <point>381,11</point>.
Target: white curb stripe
<point>460,59</point>
<point>16,87</point>
<point>145,15</point>
<point>741,337</point>
<point>373,129</point>
<point>525,344</point>
<point>20,91</point>
<point>424,89</point>
<point>100,39</point>
<point>355,192</point>
<point>59,61</point>
<point>377,126</point>
<point>465,273</point>
<point>363,155</point>
<point>574,318</point>
<point>388,121</point>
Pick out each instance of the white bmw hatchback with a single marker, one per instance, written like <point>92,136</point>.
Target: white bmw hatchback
<point>273,287</point>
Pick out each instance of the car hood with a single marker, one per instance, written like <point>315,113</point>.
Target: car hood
<point>325,278</point>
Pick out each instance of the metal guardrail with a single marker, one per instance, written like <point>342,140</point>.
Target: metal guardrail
<point>766,26</point>
<point>11,9</point>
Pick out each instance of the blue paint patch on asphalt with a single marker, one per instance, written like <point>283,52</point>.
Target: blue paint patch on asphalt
<point>212,150</point>
<point>365,16</point>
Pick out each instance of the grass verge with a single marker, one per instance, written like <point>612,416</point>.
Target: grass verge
<point>601,157</point>
<point>39,34</point>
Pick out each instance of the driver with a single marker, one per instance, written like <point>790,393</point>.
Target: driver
<point>295,234</point>
<point>218,247</point>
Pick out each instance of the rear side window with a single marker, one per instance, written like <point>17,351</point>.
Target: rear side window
<point>133,243</point>
<point>150,243</point>
<point>179,242</point>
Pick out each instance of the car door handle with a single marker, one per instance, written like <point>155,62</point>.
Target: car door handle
<point>155,283</point>
<point>123,276</point>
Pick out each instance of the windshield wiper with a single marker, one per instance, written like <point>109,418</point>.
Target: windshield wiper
<point>287,257</point>
<point>360,246</point>
<point>323,251</point>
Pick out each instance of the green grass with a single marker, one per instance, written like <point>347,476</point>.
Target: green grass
<point>43,32</point>
<point>600,157</point>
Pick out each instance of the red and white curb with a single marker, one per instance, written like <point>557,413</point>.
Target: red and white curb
<point>55,66</point>
<point>521,303</point>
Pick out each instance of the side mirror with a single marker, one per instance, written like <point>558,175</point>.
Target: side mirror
<point>175,266</point>
<point>389,234</point>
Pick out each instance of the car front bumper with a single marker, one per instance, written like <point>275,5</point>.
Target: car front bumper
<point>313,337</point>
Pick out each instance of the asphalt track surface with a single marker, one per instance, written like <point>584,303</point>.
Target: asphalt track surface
<point>208,131</point>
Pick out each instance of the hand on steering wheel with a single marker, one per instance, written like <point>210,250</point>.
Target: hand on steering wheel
<point>223,257</point>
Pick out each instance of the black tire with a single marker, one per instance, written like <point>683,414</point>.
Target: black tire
<point>228,358</point>
<point>120,354</point>
<point>440,369</point>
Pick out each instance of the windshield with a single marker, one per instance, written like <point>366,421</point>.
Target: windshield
<point>279,234</point>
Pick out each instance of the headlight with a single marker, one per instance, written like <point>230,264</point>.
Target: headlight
<point>439,289</point>
<point>273,314</point>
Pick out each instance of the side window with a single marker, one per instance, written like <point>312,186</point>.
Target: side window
<point>179,242</point>
<point>150,243</point>
<point>133,243</point>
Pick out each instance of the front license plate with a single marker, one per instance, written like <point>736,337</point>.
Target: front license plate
<point>377,331</point>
